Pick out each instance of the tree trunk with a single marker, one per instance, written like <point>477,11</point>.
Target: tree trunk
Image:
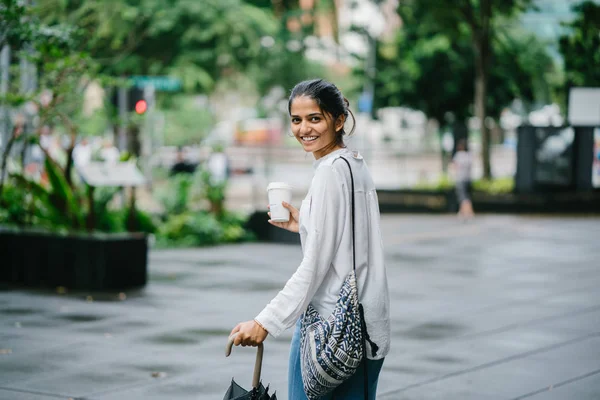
<point>480,113</point>
<point>91,218</point>
<point>132,220</point>
<point>481,37</point>
<point>481,42</point>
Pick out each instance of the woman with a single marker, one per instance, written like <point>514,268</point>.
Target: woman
<point>318,113</point>
<point>461,164</point>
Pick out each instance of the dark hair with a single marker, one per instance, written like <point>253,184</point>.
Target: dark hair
<point>329,99</point>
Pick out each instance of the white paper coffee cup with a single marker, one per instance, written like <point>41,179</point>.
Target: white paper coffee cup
<point>279,192</point>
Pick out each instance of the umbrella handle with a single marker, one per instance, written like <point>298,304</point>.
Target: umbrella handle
<point>257,364</point>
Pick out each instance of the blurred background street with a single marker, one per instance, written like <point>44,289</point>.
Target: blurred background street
<point>500,308</point>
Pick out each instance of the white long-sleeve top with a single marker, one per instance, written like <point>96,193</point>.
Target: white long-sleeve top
<point>326,235</point>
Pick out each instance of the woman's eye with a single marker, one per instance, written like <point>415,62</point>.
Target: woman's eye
<point>295,120</point>
<point>315,119</point>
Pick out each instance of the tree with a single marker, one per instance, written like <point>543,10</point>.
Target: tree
<point>427,69</point>
<point>580,47</point>
<point>476,19</point>
<point>521,69</point>
<point>198,42</point>
<point>62,72</point>
<point>424,69</point>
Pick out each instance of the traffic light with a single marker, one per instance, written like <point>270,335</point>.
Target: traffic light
<point>141,106</point>
<point>135,100</point>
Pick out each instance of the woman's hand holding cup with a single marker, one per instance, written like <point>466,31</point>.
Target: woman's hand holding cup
<point>281,213</point>
<point>291,224</point>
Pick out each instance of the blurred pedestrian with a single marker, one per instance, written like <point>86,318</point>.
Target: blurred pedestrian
<point>109,153</point>
<point>325,222</point>
<point>82,153</point>
<point>461,165</point>
<point>217,165</point>
<point>181,164</point>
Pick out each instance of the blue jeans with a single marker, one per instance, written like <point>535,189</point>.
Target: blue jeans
<point>352,389</point>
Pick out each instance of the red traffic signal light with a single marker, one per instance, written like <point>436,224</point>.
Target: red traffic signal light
<point>141,106</point>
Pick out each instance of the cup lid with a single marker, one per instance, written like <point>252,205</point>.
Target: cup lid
<point>278,185</point>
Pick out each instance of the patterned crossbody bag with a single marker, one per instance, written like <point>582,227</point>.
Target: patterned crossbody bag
<point>332,349</point>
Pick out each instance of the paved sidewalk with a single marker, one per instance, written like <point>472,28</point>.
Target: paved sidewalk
<point>501,307</point>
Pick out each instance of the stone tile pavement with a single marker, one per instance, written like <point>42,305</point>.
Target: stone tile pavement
<point>501,307</point>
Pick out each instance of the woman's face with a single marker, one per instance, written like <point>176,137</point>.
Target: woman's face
<point>312,128</point>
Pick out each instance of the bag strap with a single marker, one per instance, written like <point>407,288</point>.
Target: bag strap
<point>353,216</point>
<point>365,334</point>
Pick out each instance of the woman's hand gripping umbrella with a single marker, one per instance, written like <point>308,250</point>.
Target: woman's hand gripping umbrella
<point>258,391</point>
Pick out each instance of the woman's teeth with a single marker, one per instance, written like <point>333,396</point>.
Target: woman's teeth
<point>309,138</point>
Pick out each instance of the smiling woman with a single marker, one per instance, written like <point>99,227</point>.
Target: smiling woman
<point>318,112</point>
<point>342,271</point>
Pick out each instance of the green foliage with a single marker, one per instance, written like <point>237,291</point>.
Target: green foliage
<point>191,229</point>
<point>213,191</point>
<point>234,227</point>
<point>57,202</point>
<point>199,42</point>
<point>112,221</point>
<point>63,197</point>
<point>276,66</point>
<point>430,64</point>
<point>60,207</point>
<point>580,47</point>
<point>55,206</point>
<point>495,186</point>
<point>201,229</point>
<point>94,124</point>
<point>184,226</point>
<point>115,221</point>
<point>444,183</point>
<point>185,122</point>
<point>107,220</point>
<point>12,201</point>
<point>490,186</point>
<point>175,195</point>
<point>16,23</point>
<point>145,222</point>
<point>430,73</point>
<point>521,68</point>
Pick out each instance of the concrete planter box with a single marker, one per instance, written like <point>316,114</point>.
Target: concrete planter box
<point>439,201</point>
<point>417,201</point>
<point>76,261</point>
<point>542,203</point>
<point>258,224</point>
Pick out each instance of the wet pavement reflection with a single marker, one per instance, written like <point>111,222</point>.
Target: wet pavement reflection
<point>502,307</point>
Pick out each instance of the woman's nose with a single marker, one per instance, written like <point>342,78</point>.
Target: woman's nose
<point>304,128</point>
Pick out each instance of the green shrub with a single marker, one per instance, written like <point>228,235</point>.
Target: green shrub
<point>190,229</point>
<point>145,222</point>
<point>495,186</point>
<point>176,194</point>
<point>111,221</point>
<point>233,228</point>
<point>200,229</point>
<point>490,186</point>
<point>12,201</point>
<point>443,183</point>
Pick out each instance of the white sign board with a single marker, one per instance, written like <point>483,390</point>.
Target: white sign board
<point>584,106</point>
<point>112,174</point>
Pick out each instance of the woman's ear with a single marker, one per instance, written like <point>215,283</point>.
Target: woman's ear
<point>339,122</point>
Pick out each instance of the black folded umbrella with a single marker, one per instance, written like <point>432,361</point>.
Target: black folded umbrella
<point>258,391</point>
